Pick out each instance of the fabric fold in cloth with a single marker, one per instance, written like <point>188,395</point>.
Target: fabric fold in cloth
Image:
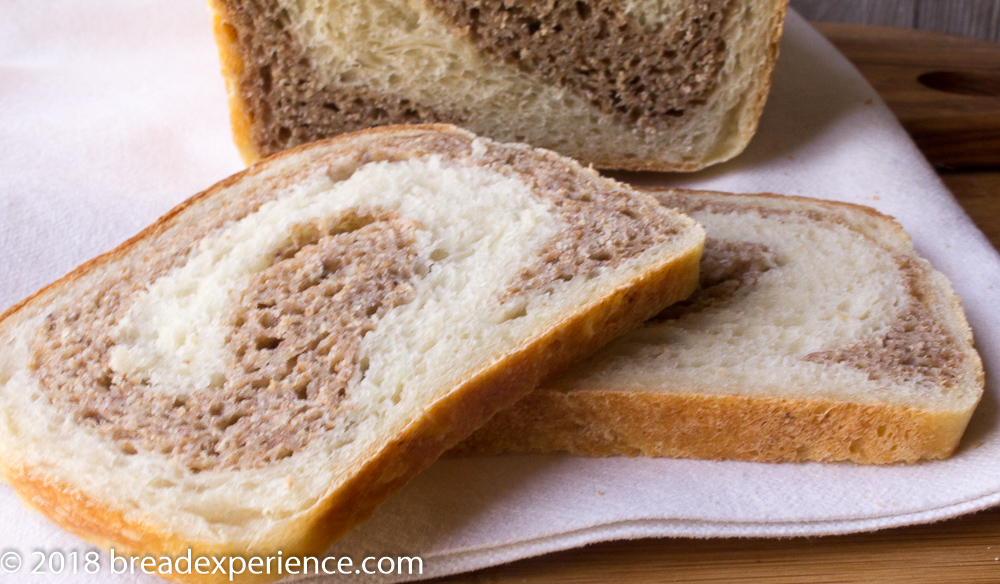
<point>113,111</point>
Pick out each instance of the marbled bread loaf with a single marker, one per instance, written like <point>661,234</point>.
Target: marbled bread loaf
<point>260,368</point>
<point>817,334</point>
<point>635,84</point>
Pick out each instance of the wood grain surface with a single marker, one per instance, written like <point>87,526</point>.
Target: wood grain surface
<point>965,550</point>
<point>977,18</point>
<point>944,89</point>
<point>961,551</point>
<point>898,13</point>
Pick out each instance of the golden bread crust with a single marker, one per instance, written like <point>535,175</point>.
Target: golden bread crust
<point>702,423</point>
<point>232,70</point>
<point>711,426</point>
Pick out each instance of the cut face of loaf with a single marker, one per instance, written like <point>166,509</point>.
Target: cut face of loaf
<point>817,334</point>
<point>636,84</point>
<point>259,369</point>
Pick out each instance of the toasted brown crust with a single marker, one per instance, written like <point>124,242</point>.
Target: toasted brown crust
<point>367,109</point>
<point>664,195</point>
<point>387,467</point>
<point>705,424</point>
<point>232,71</point>
<point>709,426</point>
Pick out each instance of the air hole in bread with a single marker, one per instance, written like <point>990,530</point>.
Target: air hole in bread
<point>601,255</point>
<point>301,390</point>
<point>518,310</point>
<point>266,343</point>
<point>265,78</point>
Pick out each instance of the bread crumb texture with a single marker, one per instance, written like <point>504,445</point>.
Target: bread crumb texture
<point>816,333</point>
<point>630,63</point>
<point>621,83</point>
<point>242,339</point>
<point>805,300</point>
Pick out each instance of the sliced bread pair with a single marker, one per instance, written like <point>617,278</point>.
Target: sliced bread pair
<point>817,334</point>
<point>254,373</point>
<point>631,84</point>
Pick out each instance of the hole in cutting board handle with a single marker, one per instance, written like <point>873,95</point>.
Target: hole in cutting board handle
<point>963,82</point>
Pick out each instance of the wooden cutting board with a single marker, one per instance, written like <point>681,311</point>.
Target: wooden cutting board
<point>945,91</point>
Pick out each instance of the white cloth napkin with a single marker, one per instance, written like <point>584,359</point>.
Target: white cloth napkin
<point>113,111</point>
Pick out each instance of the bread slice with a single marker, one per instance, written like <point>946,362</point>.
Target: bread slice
<point>629,84</point>
<point>817,334</point>
<point>260,368</point>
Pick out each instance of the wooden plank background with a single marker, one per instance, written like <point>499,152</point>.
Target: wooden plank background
<point>976,18</point>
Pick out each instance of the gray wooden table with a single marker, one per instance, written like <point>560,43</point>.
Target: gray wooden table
<point>976,18</point>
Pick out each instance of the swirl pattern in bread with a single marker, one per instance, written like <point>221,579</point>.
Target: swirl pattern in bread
<point>817,334</point>
<point>260,368</point>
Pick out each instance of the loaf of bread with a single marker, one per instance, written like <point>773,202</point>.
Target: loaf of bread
<point>260,368</point>
<point>628,84</point>
<point>817,334</point>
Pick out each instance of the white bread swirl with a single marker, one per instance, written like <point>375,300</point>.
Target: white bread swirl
<point>657,85</point>
<point>259,369</point>
<point>818,334</point>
